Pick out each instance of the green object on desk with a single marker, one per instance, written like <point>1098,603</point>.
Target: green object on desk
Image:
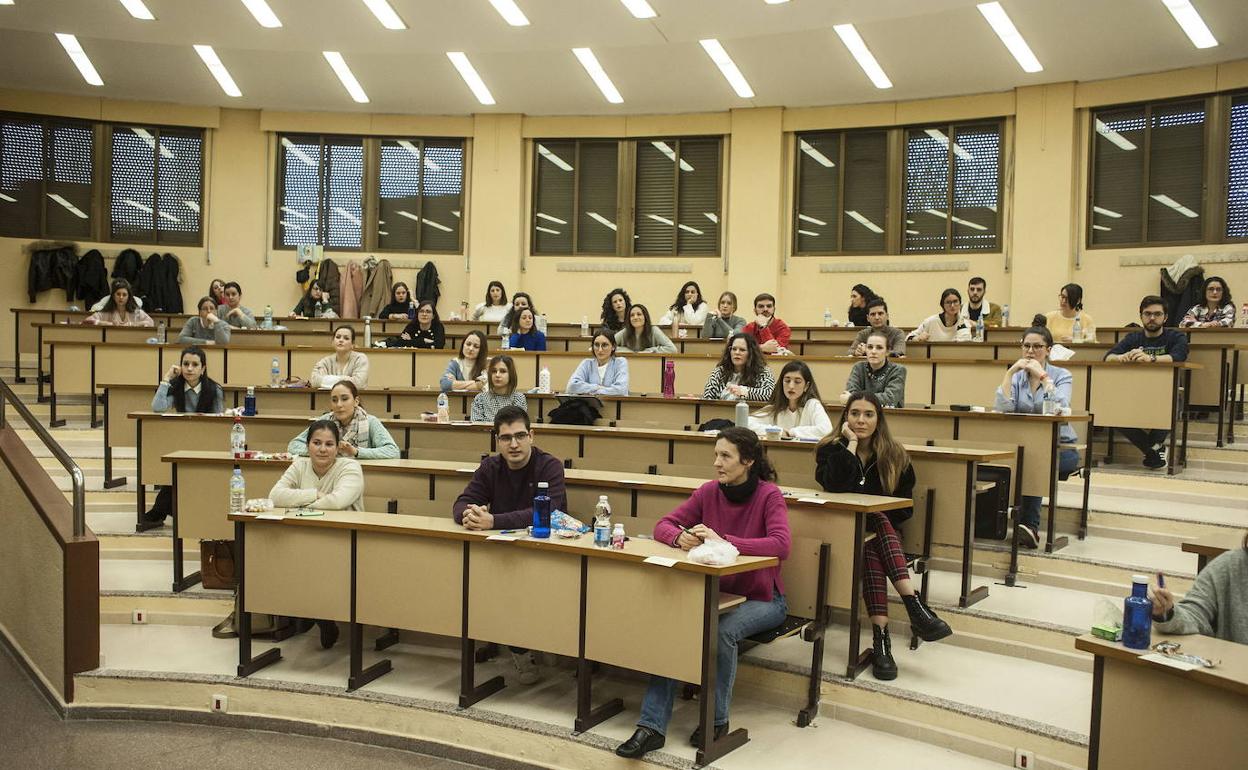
<point>308,513</point>
<point>1111,633</point>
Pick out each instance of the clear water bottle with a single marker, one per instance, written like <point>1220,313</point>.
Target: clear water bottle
<point>741,415</point>
<point>1005,315</point>
<point>584,326</point>
<point>669,379</point>
<point>541,510</point>
<point>602,523</point>
<point>1137,615</point>
<point>543,380</point>
<point>827,316</point>
<point>541,323</point>
<point>162,333</point>
<point>238,491</point>
<point>238,437</point>
<point>1049,402</point>
<point>444,408</point>
<point>275,373</point>
<point>249,401</point>
<point>1076,331</point>
<point>368,331</point>
<point>1243,315</point>
<point>505,344</point>
<point>979,326</point>
<point>268,316</point>
<point>617,537</point>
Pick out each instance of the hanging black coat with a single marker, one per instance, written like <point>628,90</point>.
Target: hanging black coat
<point>92,277</point>
<point>146,285</point>
<point>53,268</point>
<point>169,288</point>
<point>1183,294</point>
<point>127,265</point>
<point>427,284</point>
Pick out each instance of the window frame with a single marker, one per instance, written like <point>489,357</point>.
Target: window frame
<point>105,137</point>
<point>890,190</point>
<point>99,177</point>
<point>951,129</point>
<point>622,157</point>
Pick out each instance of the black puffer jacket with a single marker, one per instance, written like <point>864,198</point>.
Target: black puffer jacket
<point>92,277</point>
<point>127,265</point>
<point>53,268</point>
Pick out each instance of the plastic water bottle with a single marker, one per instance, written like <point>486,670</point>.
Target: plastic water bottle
<point>249,401</point>
<point>1005,315</point>
<point>268,315</point>
<point>1137,615</point>
<point>1243,315</point>
<point>162,333</point>
<point>275,373</point>
<point>1049,403</point>
<point>827,316</point>
<point>741,415</point>
<point>506,341</point>
<point>617,537</point>
<point>411,310</point>
<point>602,523</point>
<point>238,491</point>
<point>669,379</point>
<point>584,326</point>
<point>444,408</point>
<point>541,510</point>
<point>368,331</point>
<point>543,380</point>
<point>238,437</point>
<point>979,326</point>
<point>541,323</point>
<point>1076,331</point>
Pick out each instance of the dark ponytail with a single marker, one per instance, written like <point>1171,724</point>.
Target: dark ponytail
<point>750,448</point>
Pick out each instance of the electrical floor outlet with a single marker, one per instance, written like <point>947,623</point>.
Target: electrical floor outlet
<point>220,703</point>
<point>1024,759</point>
<point>139,617</point>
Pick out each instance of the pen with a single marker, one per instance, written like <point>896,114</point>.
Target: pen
<point>1161,580</point>
<point>508,531</point>
<point>687,532</point>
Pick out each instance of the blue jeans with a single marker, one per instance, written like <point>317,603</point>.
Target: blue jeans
<point>1067,462</point>
<point>746,619</point>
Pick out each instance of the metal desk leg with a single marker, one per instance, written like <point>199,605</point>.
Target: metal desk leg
<point>968,595</point>
<point>359,675</point>
<point>247,665</point>
<point>586,715</point>
<point>712,749</point>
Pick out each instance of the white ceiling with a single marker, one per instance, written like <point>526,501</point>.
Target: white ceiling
<point>788,52</point>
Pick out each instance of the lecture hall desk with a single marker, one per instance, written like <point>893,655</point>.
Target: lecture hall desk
<point>1212,546</point>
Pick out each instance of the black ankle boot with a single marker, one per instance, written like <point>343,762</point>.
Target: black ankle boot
<point>923,621</point>
<point>882,664</point>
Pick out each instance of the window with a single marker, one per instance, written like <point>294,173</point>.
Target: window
<point>46,177</point>
<point>952,187</point>
<point>842,192</point>
<point>155,185</point>
<point>420,187</point>
<point>321,191</point>
<point>582,188</point>
<point>1237,170</point>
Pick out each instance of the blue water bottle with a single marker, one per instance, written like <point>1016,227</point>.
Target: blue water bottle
<point>1137,615</point>
<point>541,510</point>
<point>249,402</point>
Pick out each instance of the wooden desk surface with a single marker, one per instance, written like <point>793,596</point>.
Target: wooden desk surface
<point>1230,674</point>
<point>1215,545</point>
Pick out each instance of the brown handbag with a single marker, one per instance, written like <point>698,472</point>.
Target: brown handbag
<point>216,564</point>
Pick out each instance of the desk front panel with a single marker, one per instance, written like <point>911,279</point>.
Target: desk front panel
<point>302,572</point>
<point>204,496</point>
<point>27,334</point>
<point>524,597</point>
<point>123,400</point>
<point>164,435</point>
<point>1036,438</point>
<point>411,404</point>
<point>71,369</point>
<point>948,481</point>
<point>414,583</point>
<point>1129,396</point>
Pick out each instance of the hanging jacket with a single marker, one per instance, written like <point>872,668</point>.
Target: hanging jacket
<point>127,265</point>
<point>145,285</point>
<point>376,295</point>
<point>1182,293</point>
<point>92,277</point>
<point>427,284</point>
<point>331,282</point>
<point>52,268</point>
<point>169,283</point>
<point>352,287</point>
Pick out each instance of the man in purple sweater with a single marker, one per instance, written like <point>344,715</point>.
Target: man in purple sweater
<point>500,494</point>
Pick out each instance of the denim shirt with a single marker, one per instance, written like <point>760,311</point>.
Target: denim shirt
<point>1023,400</point>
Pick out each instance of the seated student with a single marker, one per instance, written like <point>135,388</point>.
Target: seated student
<point>862,456</point>
<point>233,311</point>
<point>743,506</point>
<point>501,491</point>
<point>1155,343</point>
<point>771,334</point>
<point>641,336</point>
<point>1216,604</point>
<point>186,388</point>
<point>120,309</point>
<point>1218,309</point>
<point>495,306</point>
<point>501,392</point>
<point>946,326</point>
<point>519,301</point>
<point>205,328</point>
<point>877,320</point>
<point>1061,322</point>
<point>877,375</point>
<point>689,309</point>
<point>795,406</point>
<point>859,297</point>
<point>314,304</point>
<point>526,336</point>
<point>216,290</point>
<point>346,363</point>
<point>741,373</point>
<point>615,310</point>
<point>603,374</point>
<point>726,322</point>
<point>1022,391</point>
<point>468,371</point>
<point>102,301</point>
<point>362,435</point>
<point>424,331</point>
<point>324,481</point>
<point>401,307</point>
<point>977,306</point>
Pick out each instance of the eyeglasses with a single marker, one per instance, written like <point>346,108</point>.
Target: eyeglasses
<point>514,438</point>
<point>1029,346</point>
<point>1153,314</point>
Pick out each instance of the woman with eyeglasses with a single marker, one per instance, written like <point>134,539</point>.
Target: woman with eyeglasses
<point>1061,322</point>
<point>1218,309</point>
<point>361,435</point>
<point>603,374</point>
<point>1022,391</point>
<point>946,326</point>
<point>425,331</point>
<point>500,392</point>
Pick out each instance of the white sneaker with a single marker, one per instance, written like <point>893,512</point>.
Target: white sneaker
<point>526,669</point>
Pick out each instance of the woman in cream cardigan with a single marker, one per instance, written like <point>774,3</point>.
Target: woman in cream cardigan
<point>346,363</point>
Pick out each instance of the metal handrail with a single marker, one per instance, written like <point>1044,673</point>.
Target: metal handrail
<point>71,467</point>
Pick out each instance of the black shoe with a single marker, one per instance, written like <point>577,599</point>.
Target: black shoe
<point>1154,460</point>
<point>154,517</point>
<point>883,667</point>
<point>923,622</point>
<point>329,633</point>
<point>644,740</point>
<point>695,738</point>
<point>1028,537</point>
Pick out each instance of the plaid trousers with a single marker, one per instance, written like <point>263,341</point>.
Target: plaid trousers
<point>883,560</point>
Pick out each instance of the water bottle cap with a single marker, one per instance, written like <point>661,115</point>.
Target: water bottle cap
<point>1140,579</point>
<point>602,498</point>
<point>543,485</point>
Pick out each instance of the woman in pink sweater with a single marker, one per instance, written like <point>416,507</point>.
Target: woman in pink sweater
<point>745,507</point>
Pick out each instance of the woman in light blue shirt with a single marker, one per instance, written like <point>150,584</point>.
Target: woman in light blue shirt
<point>1022,391</point>
<point>604,374</point>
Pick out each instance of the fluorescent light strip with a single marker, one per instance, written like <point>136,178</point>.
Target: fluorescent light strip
<point>959,220</point>
<point>598,75</point>
<point>79,58</point>
<point>72,208</point>
<point>639,8</point>
<point>553,158</point>
<point>385,14</point>
<point>7,2</point>
<point>1166,200</point>
<point>297,152</point>
<point>1000,22</point>
<point>1106,212</point>
<point>867,223</point>
<point>441,227</point>
<point>136,8</point>
<point>811,233</point>
<point>263,13</point>
<point>549,218</point>
<point>854,42</point>
<point>1188,18</point>
<point>169,217</point>
<point>470,76</point>
<point>409,215</point>
<point>913,232</point>
<point>1118,139</point>
<point>812,220</point>
<point>776,2</point>
<point>345,75</point>
<point>1102,228</point>
<point>382,232</point>
<point>192,205</point>
<point>728,67</point>
<point>689,229</point>
<point>218,70</point>
<point>667,150</point>
<point>600,219</point>
<point>140,206</point>
<point>347,215</point>
<point>4,197</point>
<point>958,149</point>
<point>294,212</point>
<point>541,229</point>
<point>150,141</point>
<point>510,12</point>
<point>711,216</point>
<point>455,214</point>
<point>810,150</point>
<point>664,220</point>
<point>284,223</point>
<point>414,150</point>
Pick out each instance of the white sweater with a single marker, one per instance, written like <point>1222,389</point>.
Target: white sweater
<point>340,489</point>
<point>811,422</point>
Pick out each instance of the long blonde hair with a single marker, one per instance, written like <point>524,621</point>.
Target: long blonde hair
<point>891,459</point>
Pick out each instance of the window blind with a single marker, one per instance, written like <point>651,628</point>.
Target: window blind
<point>21,177</point>
<point>865,211</point>
<point>1237,170</point>
<point>1176,173</point>
<point>555,197</point>
<point>818,211</point>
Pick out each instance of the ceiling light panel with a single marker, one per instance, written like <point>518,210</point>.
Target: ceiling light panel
<point>385,14</point>
<point>345,75</point>
<point>639,8</point>
<point>590,62</point>
<point>728,67</point>
<point>218,70</point>
<point>510,12</point>
<point>79,58</point>
<point>1000,22</point>
<point>1189,19</point>
<point>263,13</point>
<point>136,9</point>
<point>470,76</point>
<point>854,42</point>
<point>6,2</point>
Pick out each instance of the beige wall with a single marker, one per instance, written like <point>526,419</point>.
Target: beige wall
<point>1042,244</point>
